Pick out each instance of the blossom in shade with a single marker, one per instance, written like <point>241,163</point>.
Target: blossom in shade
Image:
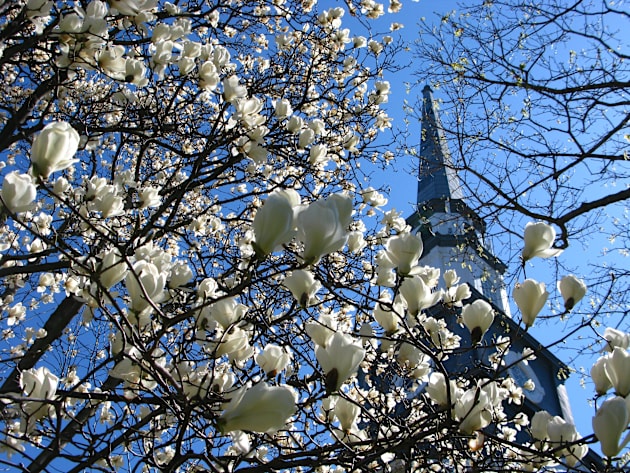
<point>303,286</point>
<point>339,360</point>
<point>260,408</point>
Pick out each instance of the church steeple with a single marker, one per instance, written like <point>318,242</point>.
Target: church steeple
<point>453,233</point>
<point>436,177</point>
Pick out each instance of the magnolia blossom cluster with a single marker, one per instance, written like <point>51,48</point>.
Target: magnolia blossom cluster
<point>191,276</point>
<point>530,295</point>
<point>610,375</point>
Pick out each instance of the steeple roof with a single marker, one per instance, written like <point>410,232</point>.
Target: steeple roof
<point>436,177</point>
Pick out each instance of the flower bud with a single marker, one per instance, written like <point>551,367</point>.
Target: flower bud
<point>303,286</point>
<point>609,423</point>
<point>477,317</point>
<point>339,360</point>
<point>274,223</point>
<point>530,297</point>
<point>572,290</point>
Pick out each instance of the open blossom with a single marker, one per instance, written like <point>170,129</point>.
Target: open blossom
<point>40,385</point>
<point>273,359</point>
<point>473,410</point>
<point>417,295</point>
<point>18,192</point>
<point>323,226</point>
<point>339,360</point>
<point>303,286</point>
<point>232,90</point>
<point>538,241</point>
<point>404,251</point>
<point>477,317</point>
<point>274,223</point>
<point>572,290</point>
<point>609,423</point>
<point>113,268</point>
<point>145,285</point>
<point>54,148</point>
<point>261,408</point>
<point>530,297</point>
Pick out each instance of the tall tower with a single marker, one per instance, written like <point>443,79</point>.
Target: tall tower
<point>453,236</point>
<point>452,232</point>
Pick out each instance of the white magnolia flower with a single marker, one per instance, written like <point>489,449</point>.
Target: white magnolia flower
<point>617,368</point>
<point>346,413</point>
<point>373,198</point>
<point>303,286</point>
<point>41,386</point>
<point>477,317</point>
<point>572,290</point>
<point>273,359</point>
<point>322,330</point>
<point>616,338</point>
<point>323,226</point>
<point>437,391</point>
<point>389,314</point>
<point>404,251</point>
<point>538,426</point>
<point>339,360</point>
<point>145,285</point>
<point>223,313</point>
<point>417,295</point>
<point>113,268</point>
<point>18,192</point>
<point>599,376</point>
<point>609,423</point>
<point>283,108</point>
<point>530,297</point>
<point>538,239</point>
<point>261,408</point>
<point>54,148</point>
<point>274,223</point>
<point>233,90</point>
<point>473,410</point>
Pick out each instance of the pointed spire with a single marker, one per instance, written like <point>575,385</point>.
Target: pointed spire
<point>436,177</point>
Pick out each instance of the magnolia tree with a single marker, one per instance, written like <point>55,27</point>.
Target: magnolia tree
<point>196,278</point>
